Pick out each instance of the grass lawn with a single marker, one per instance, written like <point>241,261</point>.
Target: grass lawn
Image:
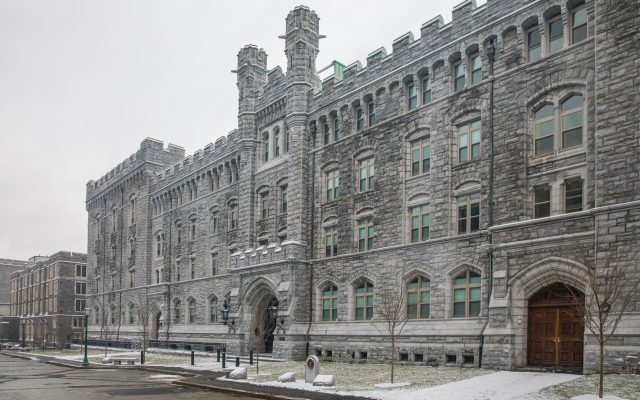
<point>626,386</point>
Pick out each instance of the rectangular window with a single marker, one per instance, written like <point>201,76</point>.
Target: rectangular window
<point>365,234</point>
<point>326,133</point>
<point>420,223</point>
<point>371,113</point>
<point>556,35</point>
<point>283,199</point>
<point>366,170</point>
<point>476,69</point>
<point>193,230</point>
<point>572,110</point>
<point>469,213</point>
<point>426,91</point>
<point>359,119</point>
<point>578,25</point>
<point>133,210</point>
<point>573,195</point>
<point>80,305</point>
<point>265,147</point>
<point>544,129</point>
<point>132,279</point>
<point>331,241</point>
<point>178,271</point>
<point>364,302</point>
<point>233,216</point>
<point>276,143</point>
<point>458,76</point>
<point>264,205</point>
<point>330,304</point>
<point>542,201</point>
<point>332,185</point>
<point>81,270</point>
<point>412,92</point>
<point>469,141</point>
<point>534,49</point>
<point>214,264</point>
<point>81,288</point>
<point>420,156</point>
<point>337,133</point>
<point>193,268</point>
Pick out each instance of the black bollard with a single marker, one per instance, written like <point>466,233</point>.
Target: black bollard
<point>142,357</point>
<point>251,357</point>
<point>218,355</point>
<point>237,361</point>
<point>193,358</point>
<point>224,360</point>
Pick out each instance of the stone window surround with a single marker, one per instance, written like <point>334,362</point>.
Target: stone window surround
<point>328,168</point>
<point>268,134</point>
<point>463,190</point>
<point>556,181</point>
<point>192,311</point>
<point>318,300</point>
<point>410,139</point>
<point>555,97</point>
<point>364,154</point>
<point>211,299</point>
<point>363,214</point>
<point>176,316</point>
<point>467,118</point>
<point>448,292</point>
<point>351,298</point>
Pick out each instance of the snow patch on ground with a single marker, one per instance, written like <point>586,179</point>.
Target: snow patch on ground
<point>164,377</point>
<point>595,397</point>
<point>388,385</point>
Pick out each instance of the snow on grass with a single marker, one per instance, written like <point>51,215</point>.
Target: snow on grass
<point>624,386</point>
<point>594,397</point>
<point>364,376</point>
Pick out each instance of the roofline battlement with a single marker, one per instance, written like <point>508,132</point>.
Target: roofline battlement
<point>467,18</point>
<point>151,150</point>
<point>224,145</point>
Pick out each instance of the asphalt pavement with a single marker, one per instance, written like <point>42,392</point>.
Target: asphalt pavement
<point>35,379</point>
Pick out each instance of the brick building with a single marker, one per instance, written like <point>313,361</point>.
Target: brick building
<point>48,297</point>
<point>474,168</point>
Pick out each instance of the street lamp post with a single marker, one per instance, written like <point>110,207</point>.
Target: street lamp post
<point>23,323</point>
<point>85,360</point>
<point>225,316</point>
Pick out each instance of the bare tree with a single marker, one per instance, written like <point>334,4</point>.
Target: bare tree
<point>611,288</point>
<point>263,324</point>
<point>142,317</point>
<point>391,308</point>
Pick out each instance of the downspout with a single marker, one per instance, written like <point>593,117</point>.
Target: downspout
<point>312,139</point>
<point>491,55</point>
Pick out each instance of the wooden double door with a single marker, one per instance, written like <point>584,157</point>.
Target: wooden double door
<point>556,329</point>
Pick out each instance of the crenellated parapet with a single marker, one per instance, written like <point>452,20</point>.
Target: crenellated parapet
<point>151,151</point>
<point>224,148</point>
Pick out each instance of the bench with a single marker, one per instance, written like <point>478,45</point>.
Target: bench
<point>119,360</point>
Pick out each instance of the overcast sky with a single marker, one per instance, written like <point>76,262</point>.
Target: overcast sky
<point>82,83</point>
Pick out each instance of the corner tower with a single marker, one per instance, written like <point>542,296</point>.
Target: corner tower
<point>302,40</point>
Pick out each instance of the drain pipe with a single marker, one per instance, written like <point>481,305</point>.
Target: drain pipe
<point>312,139</point>
<point>491,55</point>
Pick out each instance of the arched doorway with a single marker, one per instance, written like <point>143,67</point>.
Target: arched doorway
<point>556,328</point>
<point>264,325</point>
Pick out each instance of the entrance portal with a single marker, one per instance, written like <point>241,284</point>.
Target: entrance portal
<point>265,325</point>
<point>556,328</point>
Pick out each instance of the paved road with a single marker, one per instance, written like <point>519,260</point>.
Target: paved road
<point>33,380</point>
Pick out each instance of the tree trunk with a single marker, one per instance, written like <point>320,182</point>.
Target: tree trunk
<point>601,372</point>
<point>393,356</point>
<point>257,363</point>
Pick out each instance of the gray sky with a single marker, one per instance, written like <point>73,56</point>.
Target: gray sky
<point>82,83</point>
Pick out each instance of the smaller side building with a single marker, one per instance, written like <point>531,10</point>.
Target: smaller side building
<point>49,297</point>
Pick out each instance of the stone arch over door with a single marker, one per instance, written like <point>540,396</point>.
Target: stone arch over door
<point>256,320</point>
<point>155,322</point>
<point>531,280</point>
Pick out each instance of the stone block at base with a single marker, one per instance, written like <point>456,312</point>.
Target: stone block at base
<point>238,373</point>
<point>287,377</point>
<point>324,380</point>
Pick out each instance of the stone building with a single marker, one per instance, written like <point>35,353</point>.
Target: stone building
<point>478,169</point>
<point>7,267</point>
<point>48,297</point>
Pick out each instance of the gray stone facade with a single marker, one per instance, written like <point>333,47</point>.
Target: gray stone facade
<point>516,200</point>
